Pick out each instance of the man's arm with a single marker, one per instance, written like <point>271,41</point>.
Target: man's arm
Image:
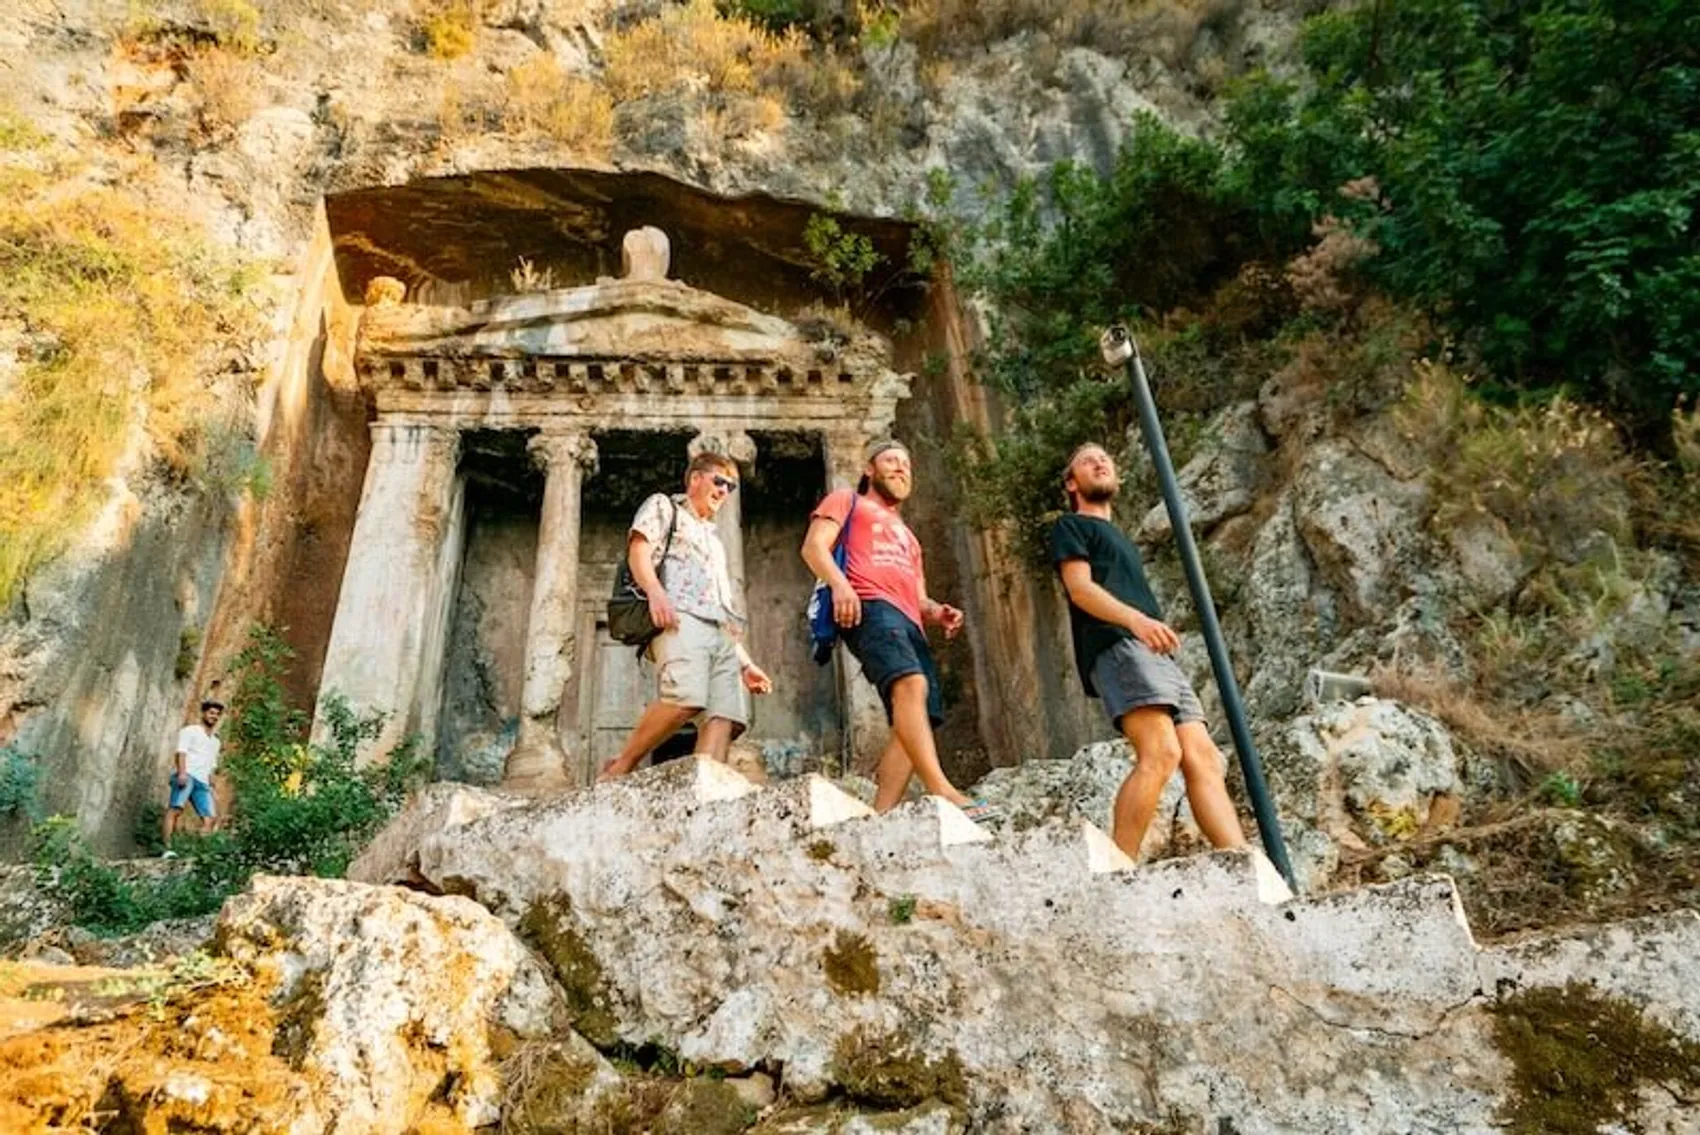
<point>638,558</point>
<point>1090,596</point>
<point>943,614</point>
<point>182,774</point>
<point>817,553</point>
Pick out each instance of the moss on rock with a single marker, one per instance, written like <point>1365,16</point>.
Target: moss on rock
<point>851,965</point>
<point>704,1107</point>
<point>551,929</point>
<point>546,1086</point>
<point>1580,1059</point>
<point>890,1071</point>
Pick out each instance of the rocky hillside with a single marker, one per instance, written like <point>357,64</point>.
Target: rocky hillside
<point>686,952</point>
<point>1468,627</point>
<point>187,148</point>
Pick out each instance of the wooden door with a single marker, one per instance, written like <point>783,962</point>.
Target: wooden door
<point>614,692</point>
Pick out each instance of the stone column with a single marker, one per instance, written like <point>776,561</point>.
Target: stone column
<point>538,759</point>
<point>865,728</point>
<point>385,649</point>
<point>729,521</point>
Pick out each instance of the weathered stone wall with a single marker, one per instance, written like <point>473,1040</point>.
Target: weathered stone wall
<point>485,663</point>
<point>286,561</point>
<point>802,714</point>
<point>90,658</point>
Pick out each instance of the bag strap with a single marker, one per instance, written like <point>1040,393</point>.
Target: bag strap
<point>661,564</point>
<point>841,546</point>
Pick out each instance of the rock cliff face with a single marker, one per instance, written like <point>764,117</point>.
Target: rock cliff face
<point>277,130</point>
<point>913,968</point>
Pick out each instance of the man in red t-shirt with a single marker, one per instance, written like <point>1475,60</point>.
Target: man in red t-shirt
<point>880,603</point>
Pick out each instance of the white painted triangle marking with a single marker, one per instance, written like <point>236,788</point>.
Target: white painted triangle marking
<point>715,781</point>
<point>954,825</point>
<point>829,804</point>
<point>1102,854</point>
<point>1271,888</point>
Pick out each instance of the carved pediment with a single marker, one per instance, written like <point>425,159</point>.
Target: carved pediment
<point>641,322</point>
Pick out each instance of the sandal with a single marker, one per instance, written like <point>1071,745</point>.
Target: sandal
<point>981,812</point>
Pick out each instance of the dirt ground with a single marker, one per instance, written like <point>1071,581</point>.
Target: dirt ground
<point>143,1052</point>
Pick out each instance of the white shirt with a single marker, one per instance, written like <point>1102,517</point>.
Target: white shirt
<point>695,573</point>
<point>200,750</point>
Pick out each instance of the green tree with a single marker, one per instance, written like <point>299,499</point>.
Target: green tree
<point>1538,172</point>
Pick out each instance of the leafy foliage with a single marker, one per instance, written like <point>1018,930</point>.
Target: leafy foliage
<point>1538,176</point>
<point>20,778</point>
<point>103,899</point>
<point>300,808</point>
<point>1524,175</point>
<point>839,259</point>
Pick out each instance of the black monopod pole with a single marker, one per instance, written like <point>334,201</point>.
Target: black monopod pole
<point>1119,346</point>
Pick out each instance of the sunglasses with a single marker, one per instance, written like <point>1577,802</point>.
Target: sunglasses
<point>726,483</point>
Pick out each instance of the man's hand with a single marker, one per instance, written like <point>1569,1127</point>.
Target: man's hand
<point>180,778</point>
<point>661,611</point>
<point>846,605</point>
<point>756,680</point>
<point>1160,637</point>
<point>949,618</point>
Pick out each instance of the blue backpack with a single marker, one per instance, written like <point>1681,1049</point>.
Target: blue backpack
<point>823,628</point>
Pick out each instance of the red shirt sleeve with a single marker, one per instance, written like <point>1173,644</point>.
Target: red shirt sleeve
<point>835,506</point>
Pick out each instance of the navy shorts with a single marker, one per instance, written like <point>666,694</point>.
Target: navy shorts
<point>889,646</point>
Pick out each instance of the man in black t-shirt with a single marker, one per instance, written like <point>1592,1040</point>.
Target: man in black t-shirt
<point>1124,652</point>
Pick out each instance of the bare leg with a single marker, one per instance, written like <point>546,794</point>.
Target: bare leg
<point>169,824</point>
<point>1207,787</point>
<point>714,738</point>
<point>892,776</point>
<point>1157,753</point>
<point>915,734</point>
<point>659,722</point>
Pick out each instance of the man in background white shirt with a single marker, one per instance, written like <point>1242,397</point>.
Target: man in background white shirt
<point>191,778</point>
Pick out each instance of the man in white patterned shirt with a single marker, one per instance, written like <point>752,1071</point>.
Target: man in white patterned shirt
<point>700,662</point>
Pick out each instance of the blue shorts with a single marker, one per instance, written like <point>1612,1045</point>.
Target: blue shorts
<point>889,646</point>
<point>196,792</point>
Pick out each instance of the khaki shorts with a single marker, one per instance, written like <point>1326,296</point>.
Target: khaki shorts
<point>696,664</point>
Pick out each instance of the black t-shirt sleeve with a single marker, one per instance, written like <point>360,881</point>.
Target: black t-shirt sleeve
<point>1068,541</point>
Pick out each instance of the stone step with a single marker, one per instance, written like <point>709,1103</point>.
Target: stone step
<point>601,834</point>
<point>393,855</point>
<point>790,927</point>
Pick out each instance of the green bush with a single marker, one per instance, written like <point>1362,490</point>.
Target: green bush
<point>1530,172</point>
<point>20,784</point>
<point>102,899</point>
<point>300,808</point>
<point>1526,175</point>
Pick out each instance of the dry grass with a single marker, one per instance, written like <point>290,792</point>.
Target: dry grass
<point>235,23</point>
<point>543,99</point>
<point>1537,740</point>
<point>694,45</point>
<point>229,85</point>
<point>449,28</point>
<point>123,310</point>
<point>1553,471</point>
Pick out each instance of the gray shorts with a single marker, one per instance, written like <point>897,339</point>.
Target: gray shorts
<point>696,665</point>
<point>1131,675</point>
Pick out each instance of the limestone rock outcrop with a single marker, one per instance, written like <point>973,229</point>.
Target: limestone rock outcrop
<point>1036,980</point>
<point>396,1004</point>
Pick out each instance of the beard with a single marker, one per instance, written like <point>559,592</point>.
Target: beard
<point>1096,494</point>
<point>889,490</point>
